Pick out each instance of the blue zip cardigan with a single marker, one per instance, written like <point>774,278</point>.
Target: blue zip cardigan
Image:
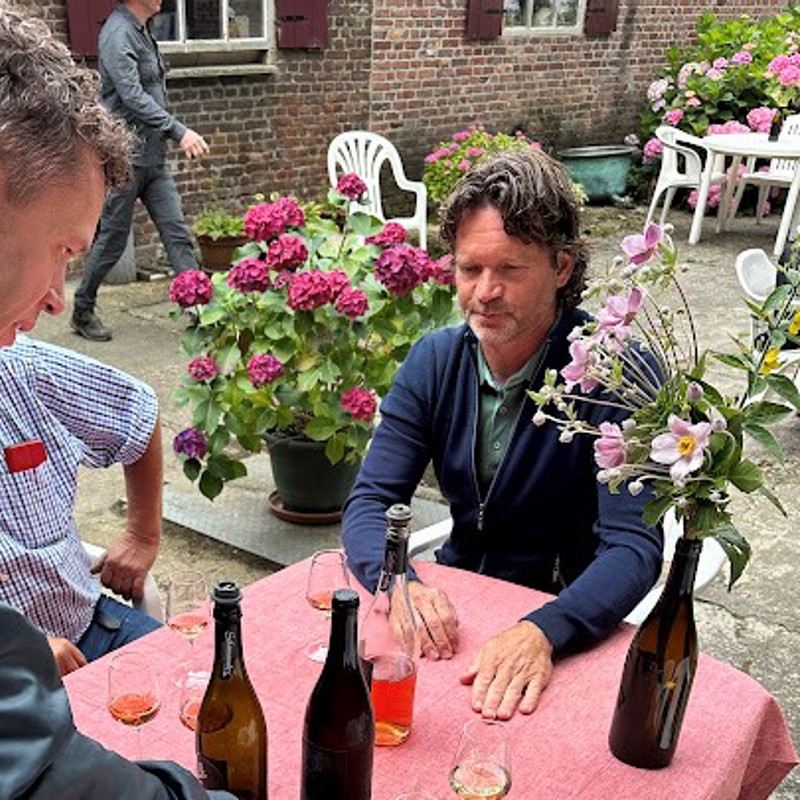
<point>544,522</point>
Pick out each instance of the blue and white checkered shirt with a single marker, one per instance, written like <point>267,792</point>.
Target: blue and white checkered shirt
<point>86,413</point>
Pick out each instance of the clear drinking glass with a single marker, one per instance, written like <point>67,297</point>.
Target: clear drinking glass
<point>133,697</point>
<point>482,763</point>
<point>193,688</point>
<point>328,572</point>
<point>187,603</point>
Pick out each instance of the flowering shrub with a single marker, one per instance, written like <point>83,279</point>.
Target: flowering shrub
<point>735,77</point>
<point>303,335</point>
<point>451,159</point>
<point>684,438</point>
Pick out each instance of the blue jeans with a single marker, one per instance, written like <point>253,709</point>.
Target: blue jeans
<point>114,625</point>
<point>156,187</point>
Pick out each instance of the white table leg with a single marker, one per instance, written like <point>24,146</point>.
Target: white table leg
<point>702,196</point>
<point>788,213</point>
<point>723,212</point>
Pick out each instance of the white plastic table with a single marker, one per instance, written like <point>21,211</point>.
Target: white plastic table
<point>740,146</point>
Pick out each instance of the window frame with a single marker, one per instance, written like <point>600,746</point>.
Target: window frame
<point>195,57</point>
<point>528,30</point>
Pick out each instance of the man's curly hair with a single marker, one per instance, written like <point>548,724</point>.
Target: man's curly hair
<point>535,198</point>
<point>50,115</point>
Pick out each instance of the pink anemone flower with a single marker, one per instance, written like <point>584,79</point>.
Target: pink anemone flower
<point>683,447</point>
<point>640,248</point>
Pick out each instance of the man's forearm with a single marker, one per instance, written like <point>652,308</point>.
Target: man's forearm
<point>143,484</point>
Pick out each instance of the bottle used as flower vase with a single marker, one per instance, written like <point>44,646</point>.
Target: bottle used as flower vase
<point>659,670</point>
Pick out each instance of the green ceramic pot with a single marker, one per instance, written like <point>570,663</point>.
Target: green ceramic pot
<point>602,170</point>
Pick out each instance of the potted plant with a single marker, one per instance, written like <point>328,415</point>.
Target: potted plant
<point>219,232</point>
<point>300,339</point>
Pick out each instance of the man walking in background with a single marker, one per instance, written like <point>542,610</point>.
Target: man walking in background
<point>133,86</point>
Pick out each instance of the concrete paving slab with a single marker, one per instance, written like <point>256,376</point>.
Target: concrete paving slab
<point>241,517</point>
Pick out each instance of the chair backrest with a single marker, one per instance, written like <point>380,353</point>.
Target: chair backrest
<point>786,166</point>
<point>150,602</point>
<point>678,159</point>
<point>364,153</point>
<point>756,273</point>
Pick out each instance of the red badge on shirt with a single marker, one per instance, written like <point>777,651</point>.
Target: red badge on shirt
<point>25,455</point>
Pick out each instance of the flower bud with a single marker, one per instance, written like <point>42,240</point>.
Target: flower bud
<point>566,436</point>
<point>694,392</point>
<point>539,418</point>
<point>635,487</point>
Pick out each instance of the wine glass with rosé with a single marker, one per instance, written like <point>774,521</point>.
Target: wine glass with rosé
<point>327,573</point>
<point>482,763</point>
<point>187,604</point>
<point>133,697</point>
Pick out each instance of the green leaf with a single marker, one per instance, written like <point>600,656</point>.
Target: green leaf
<point>736,549</point>
<point>747,476</point>
<point>210,485</point>
<point>785,387</point>
<point>766,439</point>
<point>334,449</point>
<point>655,509</point>
<point>773,498</point>
<point>765,413</point>
<point>320,428</point>
<point>191,469</point>
<point>738,362</point>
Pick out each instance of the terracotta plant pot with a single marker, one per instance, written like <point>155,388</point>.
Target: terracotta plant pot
<point>216,254</point>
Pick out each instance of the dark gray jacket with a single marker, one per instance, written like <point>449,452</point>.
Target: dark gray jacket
<point>43,757</point>
<point>134,85</point>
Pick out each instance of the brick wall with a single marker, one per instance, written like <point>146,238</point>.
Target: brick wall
<point>405,68</point>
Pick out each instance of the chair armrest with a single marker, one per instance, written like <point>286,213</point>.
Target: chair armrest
<point>429,537</point>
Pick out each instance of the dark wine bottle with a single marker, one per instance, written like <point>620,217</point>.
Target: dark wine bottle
<point>659,670</point>
<point>231,734</point>
<point>339,729</point>
<point>776,125</point>
<point>389,643</point>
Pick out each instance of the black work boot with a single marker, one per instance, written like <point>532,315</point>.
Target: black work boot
<point>88,325</point>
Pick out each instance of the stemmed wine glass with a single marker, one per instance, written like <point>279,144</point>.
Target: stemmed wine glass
<point>133,697</point>
<point>187,604</point>
<point>482,763</point>
<point>327,573</point>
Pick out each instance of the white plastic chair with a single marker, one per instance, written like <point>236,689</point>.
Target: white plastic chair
<point>758,277</point>
<point>149,603</point>
<point>681,167</point>
<point>779,173</point>
<point>364,154</point>
<point>422,542</point>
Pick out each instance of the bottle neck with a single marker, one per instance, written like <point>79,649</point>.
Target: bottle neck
<point>680,581</point>
<point>343,649</point>
<point>395,561</point>
<point>228,653</point>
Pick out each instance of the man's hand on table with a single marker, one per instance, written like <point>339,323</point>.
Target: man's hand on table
<point>68,657</point>
<point>438,620</point>
<point>510,670</point>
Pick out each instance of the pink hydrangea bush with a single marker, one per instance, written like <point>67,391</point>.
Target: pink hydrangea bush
<point>303,335</point>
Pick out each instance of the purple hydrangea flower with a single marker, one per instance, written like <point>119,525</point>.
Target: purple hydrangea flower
<point>191,288</point>
<point>287,252</point>
<point>190,443</point>
<point>351,302</point>
<point>351,186</point>
<point>309,290</point>
<point>402,268</point>
<point>392,233</point>
<point>361,403</point>
<point>249,275</point>
<point>203,368</point>
<point>263,369</point>
<point>266,220</point>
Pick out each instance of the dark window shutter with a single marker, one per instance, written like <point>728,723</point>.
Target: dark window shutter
<point>85,18</point>
<point>302,23</point>
<point>601,17</point>
<point>484,19</point>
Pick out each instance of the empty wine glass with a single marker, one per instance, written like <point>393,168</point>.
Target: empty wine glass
<point>327,573</point>
<point>133,697</point>
<point>187,607</point>
<point>482,763</point>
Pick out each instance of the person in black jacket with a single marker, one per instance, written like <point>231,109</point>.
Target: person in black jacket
<point>59,150</point>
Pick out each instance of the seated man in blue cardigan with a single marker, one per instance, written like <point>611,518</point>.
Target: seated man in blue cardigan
<point>526,508</point>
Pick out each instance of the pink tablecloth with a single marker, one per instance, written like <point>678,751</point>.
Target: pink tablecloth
<point>734,744</point>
